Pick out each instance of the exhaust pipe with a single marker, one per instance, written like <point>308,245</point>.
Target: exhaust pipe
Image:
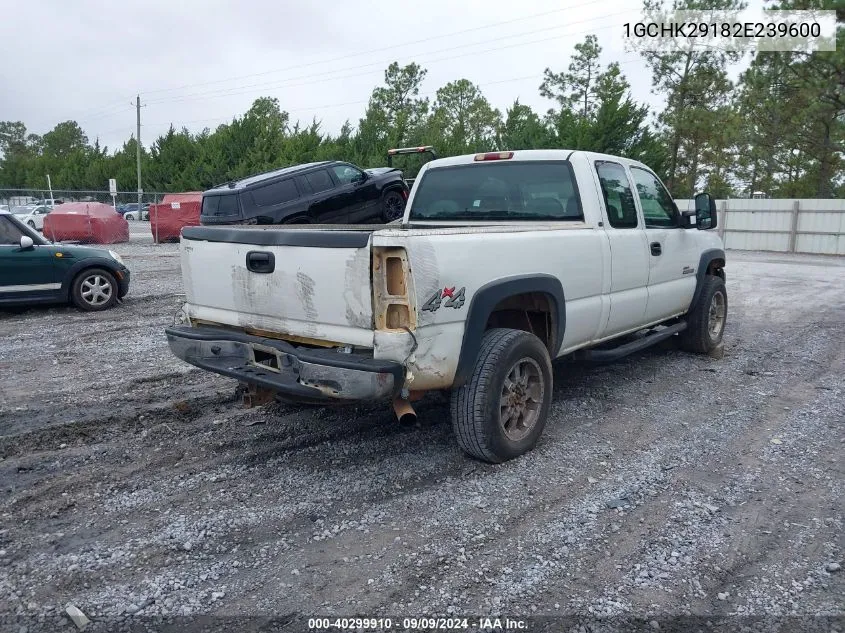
<point>404,411</point>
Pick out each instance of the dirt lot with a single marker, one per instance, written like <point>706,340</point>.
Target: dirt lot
<point>664,485</point>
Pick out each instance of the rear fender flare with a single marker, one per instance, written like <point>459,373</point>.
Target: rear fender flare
<point>488,296</point>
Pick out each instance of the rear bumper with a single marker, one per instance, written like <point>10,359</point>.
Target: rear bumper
<point>297,372</point>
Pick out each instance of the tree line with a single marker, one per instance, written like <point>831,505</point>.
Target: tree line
<point>780,128</point>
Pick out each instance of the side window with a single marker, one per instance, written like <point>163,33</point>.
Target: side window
<point>9,233</point>
<point>303,185</point>
<point>618,199</point>
<point>319,180</point>
<point>275,193</point>
<point>658,208</point>
<point>347,174</point>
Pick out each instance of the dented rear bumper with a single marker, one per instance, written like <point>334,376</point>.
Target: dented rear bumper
<point>295,372</point>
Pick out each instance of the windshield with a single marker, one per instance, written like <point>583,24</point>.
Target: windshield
<point>527,190</point>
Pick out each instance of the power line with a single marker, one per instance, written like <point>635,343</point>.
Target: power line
<point>104,110</point>
<point>347,103</point>
<point>108,114</point>
<point>238,90</point>
<point>377,50</point>
<point>360,102</point>
<point>226,92</point>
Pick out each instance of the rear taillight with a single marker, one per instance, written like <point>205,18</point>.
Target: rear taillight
<point>392,309</point>
<point>494,156</point>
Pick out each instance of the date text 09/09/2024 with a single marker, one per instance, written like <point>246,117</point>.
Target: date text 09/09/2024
<point>418,624</point>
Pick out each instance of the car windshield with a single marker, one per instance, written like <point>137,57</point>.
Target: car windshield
<point>496,191</point>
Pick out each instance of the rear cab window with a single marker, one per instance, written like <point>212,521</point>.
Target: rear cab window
<point>496,191</point>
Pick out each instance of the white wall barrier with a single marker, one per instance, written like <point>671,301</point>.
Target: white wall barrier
<point>787,226</point>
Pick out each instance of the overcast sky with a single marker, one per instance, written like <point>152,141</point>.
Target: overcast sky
<point>198,64</point>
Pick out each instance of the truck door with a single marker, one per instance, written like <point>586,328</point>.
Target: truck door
<point>628,251</point>
<point>672,249</point>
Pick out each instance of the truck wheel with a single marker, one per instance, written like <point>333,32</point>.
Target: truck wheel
<point>94,289</point>
<point>706,319</point>
<point>392,206</point>
<point>500,412</point>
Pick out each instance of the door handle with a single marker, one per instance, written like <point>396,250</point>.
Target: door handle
<point>260,262</point>
<point>656,248</point>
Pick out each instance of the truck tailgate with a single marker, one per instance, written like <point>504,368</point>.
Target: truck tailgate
<point>303,282</point>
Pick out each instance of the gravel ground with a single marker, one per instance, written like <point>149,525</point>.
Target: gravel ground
<point>664,485</point>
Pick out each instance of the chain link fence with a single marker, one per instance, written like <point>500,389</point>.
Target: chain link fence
<point>123,201</point>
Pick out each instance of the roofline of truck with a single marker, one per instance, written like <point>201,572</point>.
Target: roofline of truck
<point>528,154</point>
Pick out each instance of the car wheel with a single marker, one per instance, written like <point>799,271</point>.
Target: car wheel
<point>31,224</point>
<point>706,319</point>
<point>94,289</point>
<point>129,216</point>
<point>392,206</point>
<point>500,412</point>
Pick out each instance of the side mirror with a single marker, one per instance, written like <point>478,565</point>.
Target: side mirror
<point>26,241</point>
<point>362,177</point>
<point>705,211</point>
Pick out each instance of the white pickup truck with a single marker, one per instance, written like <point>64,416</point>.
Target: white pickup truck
<point>502,262</point>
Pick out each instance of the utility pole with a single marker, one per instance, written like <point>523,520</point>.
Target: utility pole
<point>50,186</point>
<point>138,155</point>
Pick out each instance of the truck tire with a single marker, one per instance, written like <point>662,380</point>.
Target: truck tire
<point>94,289</point>
<point>500,412</point>
<point>706,319</point>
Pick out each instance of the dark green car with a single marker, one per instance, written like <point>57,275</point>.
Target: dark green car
<point>34,270</point>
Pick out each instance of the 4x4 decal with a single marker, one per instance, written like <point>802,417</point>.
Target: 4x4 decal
<point>456,299</point>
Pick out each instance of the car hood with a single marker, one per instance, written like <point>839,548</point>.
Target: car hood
<point>78,251</point>
<point>378,171</point>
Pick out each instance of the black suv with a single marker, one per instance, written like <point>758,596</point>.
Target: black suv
<point>329,192</point>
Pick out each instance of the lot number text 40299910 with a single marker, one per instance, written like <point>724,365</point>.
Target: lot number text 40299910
<point>418,624</point>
